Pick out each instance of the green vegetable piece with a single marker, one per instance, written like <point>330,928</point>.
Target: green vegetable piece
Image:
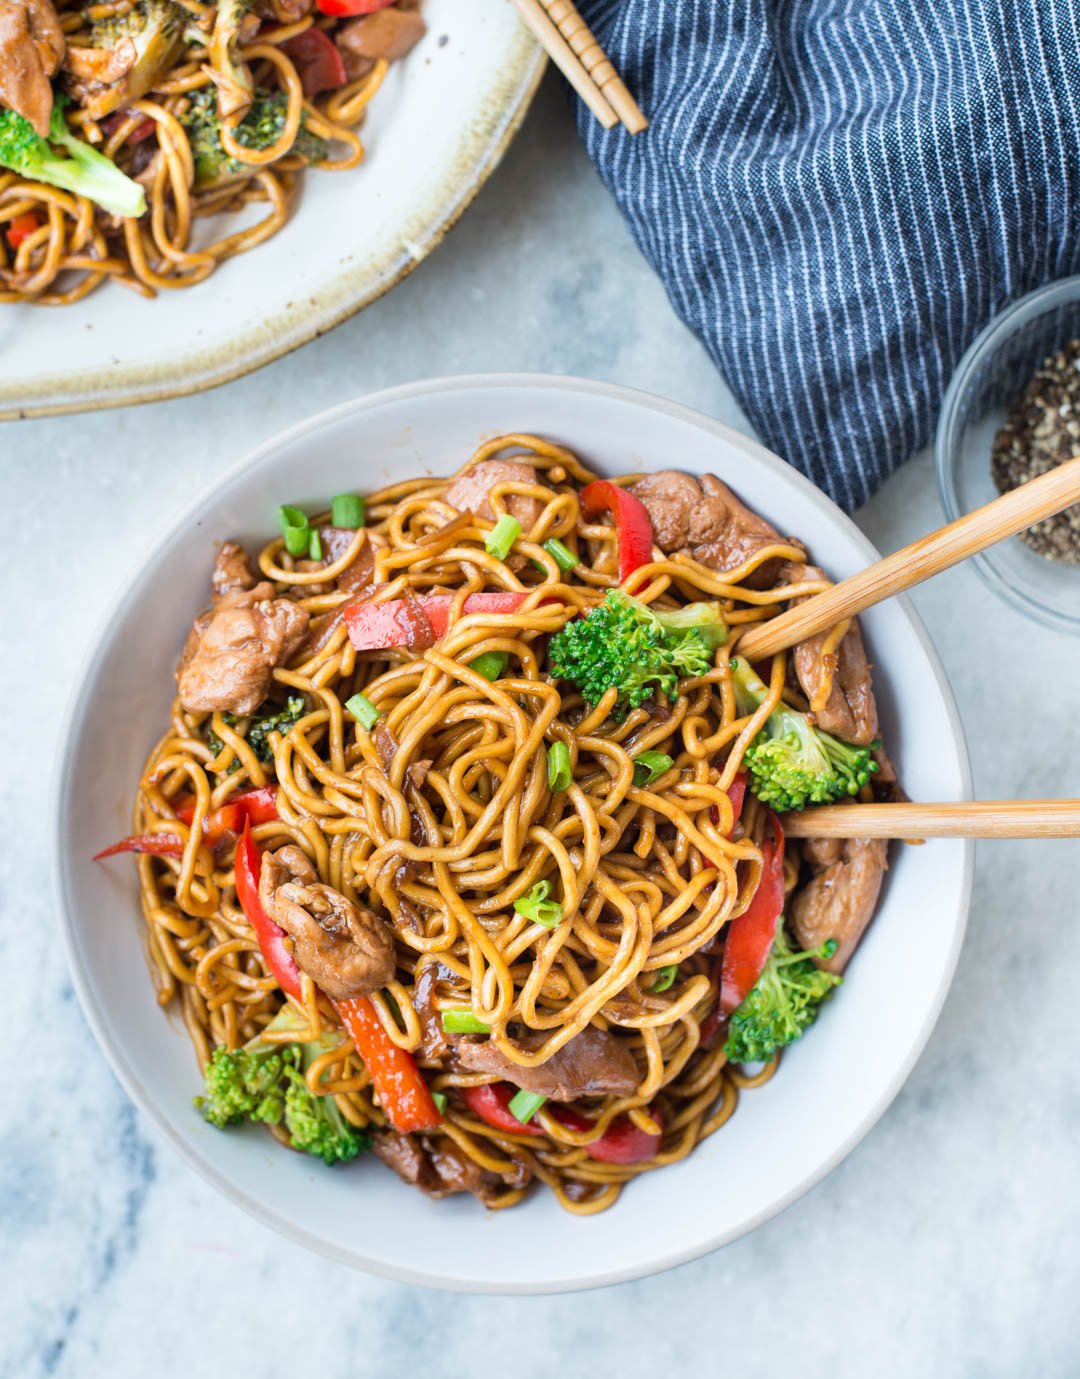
<point>665,977</point>
<point>463,1022</point>
<point>363,710</point>
<point>260,726</point>
<point>315,548</point>
<point>535,905</point>
<point>560,774</point>
<point>502,536</point>
<point>650,766</point>
<point>265,1082</point>
<point>563,556</point>
<point>783,1003</point>
<point>348,510</point>
<point>624,644</point>
<point>439,1098</point>
<point>791,763</point>
<point>524,1105</point>
<point>64,161</point>
<point>261,127</point>
<point>491,664</point>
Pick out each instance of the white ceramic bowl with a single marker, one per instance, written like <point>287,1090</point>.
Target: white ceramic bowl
<point>783,1138</point>
<point>433,134</point>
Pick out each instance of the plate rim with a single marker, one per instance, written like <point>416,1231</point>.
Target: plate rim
<point>102,389</point>
<point>88,998</point>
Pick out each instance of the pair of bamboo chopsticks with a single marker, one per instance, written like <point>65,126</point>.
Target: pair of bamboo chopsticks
<point>1004,517</point>
<point>572,47</point>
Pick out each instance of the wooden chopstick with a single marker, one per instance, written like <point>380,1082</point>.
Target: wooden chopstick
<point>1005,516</point>
<point>564,57</point>
<point>969,819</point>
<point>596,62</point>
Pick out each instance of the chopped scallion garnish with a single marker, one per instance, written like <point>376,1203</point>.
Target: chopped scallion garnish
<point>295,530</point>
<point>563,556</point>
<point>524,1105</point>
<point>650,766</point>
<point>439,1098</point>
<point>348,510</point>
<point>463,1022</point>
<point>536,906</point>
<point>315,549</point>
<point>491,664</point>
<point>363,710</point>
<point>560,776</point>
<point>665,977</point>
<point>502,536</point>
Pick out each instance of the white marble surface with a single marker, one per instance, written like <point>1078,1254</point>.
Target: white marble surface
<point>947,1244</point>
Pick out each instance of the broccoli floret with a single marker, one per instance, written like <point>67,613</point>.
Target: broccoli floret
<point>640,651</point>
<point>259,729</point>
<point>154,30</point>
<point>783,1003</point>
<point>260,127</point>
<point>792,763</point>
<point>265,1082</point>
<point>64,161</point>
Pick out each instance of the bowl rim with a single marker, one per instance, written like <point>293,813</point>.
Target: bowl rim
<point>946,437</point>
<point>142,1096</point>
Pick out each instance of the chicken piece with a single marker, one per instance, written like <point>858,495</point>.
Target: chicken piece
<point>284,11</point>
<point>702,518</point>
<point>101,66</point>
<point>593,1063</point>
<point>436,1165</point>
<point>850,712</point>
<point>839,900</point>
<point>232,572</point>
<point>31,50</point>
<point>343,947</point>
<point>470,492</point>
<point>389,34</point>
<point>232,650</point>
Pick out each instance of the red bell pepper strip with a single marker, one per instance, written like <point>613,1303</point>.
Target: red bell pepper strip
<point>750,938</point>
<point>143,129</point>
<point>491,1103</point>
<point>271,936</point>
<point>318,63</point>
<point>344,7</point>
<point>631,522</point>
<point>403,1093</point>
<point>21,228</point>
<point>157,844</point>
<point>621,1143</point>
<point>737,795</point>
<point>417,622</point>
<point>255,806</point>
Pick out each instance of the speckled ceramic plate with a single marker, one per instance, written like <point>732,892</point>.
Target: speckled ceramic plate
<point>434,133</point>
<point>784,1137</point>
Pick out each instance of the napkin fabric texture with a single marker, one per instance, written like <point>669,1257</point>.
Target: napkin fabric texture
<point>838,194</point>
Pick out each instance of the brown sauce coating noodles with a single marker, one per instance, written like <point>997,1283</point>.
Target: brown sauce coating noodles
<point>648,876</point>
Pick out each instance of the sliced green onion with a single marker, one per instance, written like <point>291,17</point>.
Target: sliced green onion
<point>315,549</point>
<point>502,536</point>
<point>650,766</point>
<point>439,1098</point>
<point>665,977</point>
<point>563,556</point>
<point>348,510</point>
<point>491,664</point>
<point>363,710</point>
<point>535,905</point>
<point>560,776</point>
<point>524,1105</point>
<point>463,1022</point>
<point>295,530</point>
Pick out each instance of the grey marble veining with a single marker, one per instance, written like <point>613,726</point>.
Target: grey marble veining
<point>947,1244</point>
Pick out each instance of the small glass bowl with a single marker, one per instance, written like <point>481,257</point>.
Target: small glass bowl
<point>988,380</point>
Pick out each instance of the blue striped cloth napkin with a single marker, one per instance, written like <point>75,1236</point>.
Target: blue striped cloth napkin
<point>838,194</point>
